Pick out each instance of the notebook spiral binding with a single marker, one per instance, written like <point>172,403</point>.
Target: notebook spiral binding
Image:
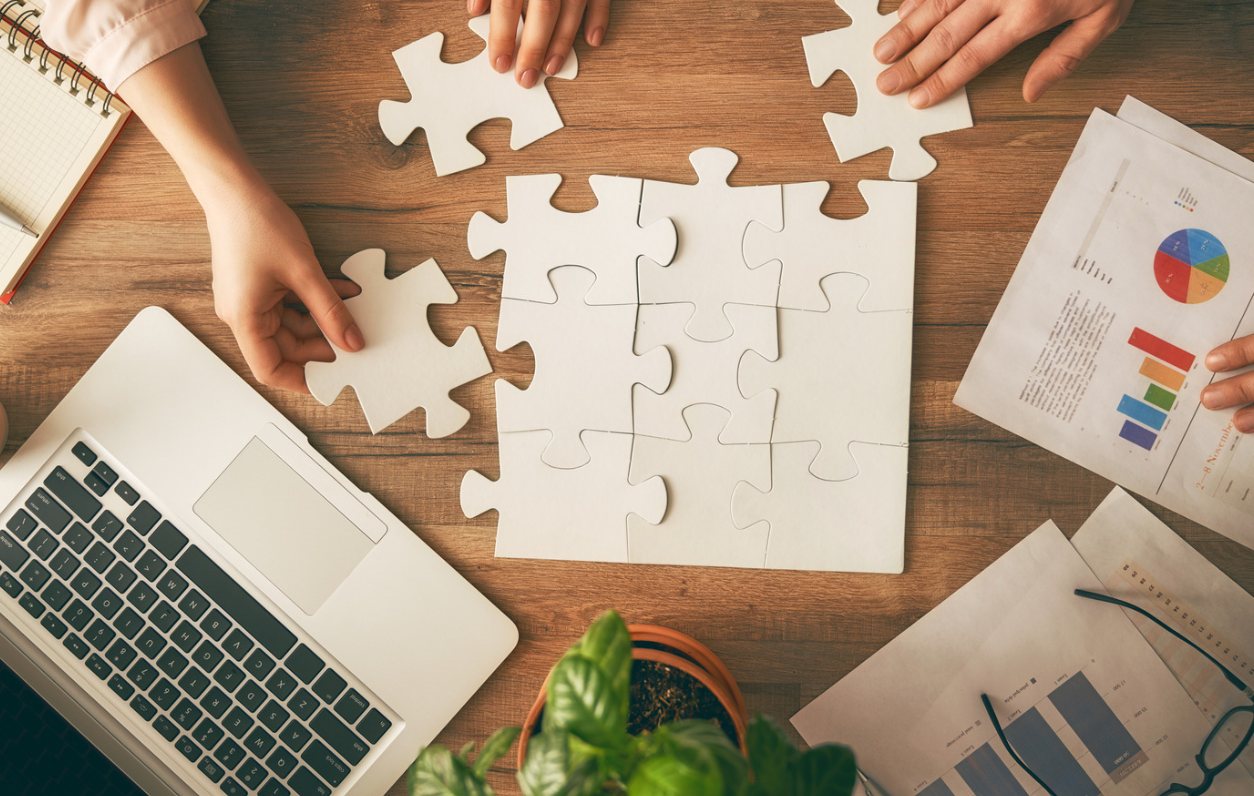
<point>50,58</point>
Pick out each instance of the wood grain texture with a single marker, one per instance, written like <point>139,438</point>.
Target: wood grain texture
<point>302,81</point>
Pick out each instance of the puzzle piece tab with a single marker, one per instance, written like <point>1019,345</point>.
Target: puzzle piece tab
<point>709,269</point>
<point>842,376</point>
<point>880,121</point>
<point>585,367</point>
<point>404,365</point>
<point>449,100</point>
<point>701,475</point>
<point>578,514</point>
<point>879,245</point>
<point>538,238</point>
<point>856,525</point>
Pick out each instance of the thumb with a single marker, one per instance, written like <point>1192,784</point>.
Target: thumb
<point>1065,54</point>
<point>328,309</point>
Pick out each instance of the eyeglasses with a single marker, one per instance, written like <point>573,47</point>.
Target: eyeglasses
<point>1214,757</point>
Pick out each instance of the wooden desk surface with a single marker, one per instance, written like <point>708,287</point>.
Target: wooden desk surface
<point>302,81</point>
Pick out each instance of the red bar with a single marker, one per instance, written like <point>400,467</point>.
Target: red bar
<point>1157,347</point>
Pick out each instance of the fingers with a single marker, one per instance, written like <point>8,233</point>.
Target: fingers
<point>914,26</point>
<point>1230,392</point>
<point>328,309</point>
<point>982,51</point>
<point>537,30</point>
<point>265,359</point>
<point>563,35</point>
<point>1066,52</point>
<point>1237,390</point>
<point>951,39</point>
<point>503,33</point>
<point>596,21</point>
<point>1244,420</point>
<point>477,8</point>
<point>1231,355</point>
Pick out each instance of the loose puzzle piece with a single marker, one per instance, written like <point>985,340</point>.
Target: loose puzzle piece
<point>879,245</point>
<point>709,269</point>
<point>403,365</point>
<point>701,475</point>
<point>842,376</point>
<point>578,514</point>
<point>705,373</point>
<point>538,238</point>
<point>880,120</point>
<point>449,100</point>
<point>585,367</point>
<point>856,525</point>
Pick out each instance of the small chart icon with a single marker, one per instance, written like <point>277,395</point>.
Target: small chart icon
<point>1191,266</point>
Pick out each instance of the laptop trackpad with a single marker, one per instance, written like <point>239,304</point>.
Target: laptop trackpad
<point>283,526</point>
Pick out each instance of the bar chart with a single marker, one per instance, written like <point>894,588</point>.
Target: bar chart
<point>1162,374</point>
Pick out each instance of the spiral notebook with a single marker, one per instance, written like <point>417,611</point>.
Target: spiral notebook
<point>57,124</point>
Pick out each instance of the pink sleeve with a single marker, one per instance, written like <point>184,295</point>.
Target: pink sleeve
<point>117,38</point>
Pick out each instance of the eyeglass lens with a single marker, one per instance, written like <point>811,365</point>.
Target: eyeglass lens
<point>1235,729</point>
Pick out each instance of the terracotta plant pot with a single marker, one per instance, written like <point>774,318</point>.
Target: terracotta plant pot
<point>674,649</point>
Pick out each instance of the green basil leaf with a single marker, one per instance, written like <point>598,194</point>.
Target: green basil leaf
<point>608,642</point>
<point>437,772</point>
<point>684,772</point>
<point>827,770</point>
<point>545,770</point>
<point>494,747</point>
<point>582,702</point>
<point>771,756</point>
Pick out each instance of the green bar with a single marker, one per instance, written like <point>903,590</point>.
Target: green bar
<point>1163,399</point>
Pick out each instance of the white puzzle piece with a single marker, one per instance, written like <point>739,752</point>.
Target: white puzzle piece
<point>449,100</point>
<point>538,238</point>
<point>585,367</point>
<point>880,121</point>
<point>403,366</point>
<point>856,525</point>
<point>709,269</point>
<point>705,373</point>
<point>842,376</point>
<point>578,514</point>
<point>700,476</point>
<point>879,245</point>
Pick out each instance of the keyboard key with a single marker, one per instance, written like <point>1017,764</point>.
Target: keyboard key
<point>259,742</point>
<point>31,604</point>
<point>339,737</point>
<point>166,728</point>
<point>237,646</point>
<point>294,736</point>
<point>121,654</point>
<point>229,754</point>
<point>107,526</point>
<point>129,623</point>
<point>212,771</point>
<point>207,656</point>
<point>120,577</point>
<point>215,624</point>
<point>165,694</point>
<point>232,788</point>
<point>48,511</point>
<point>120,687</point>
<point>168,540</point>
<point>238,723</point>
<point>172,663</point>
<point>78,615</point>
<point>9,584</point>
<point>22,525</point>
<point>142,597</point>
<point>85,583</point>
<point>259,664</point>
<point>43,545</point>
<point>127,493</point>
<point>282,763</point>
<point>215,702</point>
<point>304,663</point>
<point>53,624</point>
<point>35,575</point>
<point>64,565</point>
<point>306,784</point>
<point>186,714</point>
<point>281,684</point>
<point>251,774</point>
<point>273,788</point>
<point>187,748</point>
<point>151,643</point>
<point>236,602</point>
<point>85,454</point>
<point>229,676</point>
<point>351,706</point>
<point>77,647</point>
<point>99,557</point>
<point>97,666</point>
<point>208,734</point>
<point>72,494</point>
<point>78,538</point>
<point>251,696</point>
<point>273,715</point>
<point>185,636</point>
<point>164,616</point>
<point>143,708</point>
<point>142,674</point>
<point>325,762</point>
<point>303,704</point>
<point>105,473</point>
<point>194,682</point>
<point>128,545</point>
<point>99,635</point>
<point>143,518</point>
<point>172,585</point>
<point>150,566</point>
<point>194,605</point>
<point>56,595</point>
<point>108,603</point>
<point>96,484</point>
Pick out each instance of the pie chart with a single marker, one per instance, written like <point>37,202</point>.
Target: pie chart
<point>1191,266</point>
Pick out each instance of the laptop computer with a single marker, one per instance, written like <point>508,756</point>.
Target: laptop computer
<point>210,602</point>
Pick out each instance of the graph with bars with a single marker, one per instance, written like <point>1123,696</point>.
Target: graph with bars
<point>1162,375</point>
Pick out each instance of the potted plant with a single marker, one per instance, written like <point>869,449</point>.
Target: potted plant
<point>580,744</point>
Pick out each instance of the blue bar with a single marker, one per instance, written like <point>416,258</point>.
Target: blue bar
<point>986,775</point>
<point>1142,412</point>
<point>1138,435</point>
<point>937,788</point>
<point>1100,730</point>
<point>1043,752</point>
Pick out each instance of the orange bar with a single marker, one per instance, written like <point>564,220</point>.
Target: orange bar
<point>1168,377</point>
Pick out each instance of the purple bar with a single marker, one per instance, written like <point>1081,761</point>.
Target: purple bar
<point>1138,435</point>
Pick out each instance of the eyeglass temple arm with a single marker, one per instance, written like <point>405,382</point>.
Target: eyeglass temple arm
<point>1006,743</point>
<point>1105,598</point>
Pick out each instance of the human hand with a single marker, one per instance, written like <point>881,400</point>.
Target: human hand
<point>939,45</point>
<point>263,263</point>
<point>1235,390</point>
<point>548,33</point>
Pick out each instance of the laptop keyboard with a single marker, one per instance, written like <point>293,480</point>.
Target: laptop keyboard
<point>177,639</point>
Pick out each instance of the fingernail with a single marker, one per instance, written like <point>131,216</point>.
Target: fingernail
<point>885,50</point>
<point>502,63</point>
<point>354,339</point>
<point>529,78</point>
<point>1211,399</point>
<point>554,65</point>
<point>470,7</point>
<point>1243,422</point>
<point>594,38</point>
<point>920,97</point>
<point>906,8</point>
<point>888,81</point>
<point>1216,361</point>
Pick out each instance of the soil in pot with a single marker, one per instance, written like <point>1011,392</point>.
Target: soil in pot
<point>661,694</point>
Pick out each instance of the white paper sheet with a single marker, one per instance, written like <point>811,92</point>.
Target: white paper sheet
<point>1096,349</point>
<point>1081,694</point>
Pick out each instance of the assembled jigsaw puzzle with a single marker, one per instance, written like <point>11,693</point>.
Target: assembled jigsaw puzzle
<point>778,414</point>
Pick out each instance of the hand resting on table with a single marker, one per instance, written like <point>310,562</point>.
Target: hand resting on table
<point>548,33</point>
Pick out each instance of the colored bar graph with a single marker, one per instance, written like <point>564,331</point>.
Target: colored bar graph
<point>1157,371</point>
<point>986,774</point>
<point>1142,412</point>
<point>1138,435</point>
<point>937,788</point>
<point>1098,728</point>
<point>1163,399</point>
<point>1158,347</point>
<point>1044,753</point>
